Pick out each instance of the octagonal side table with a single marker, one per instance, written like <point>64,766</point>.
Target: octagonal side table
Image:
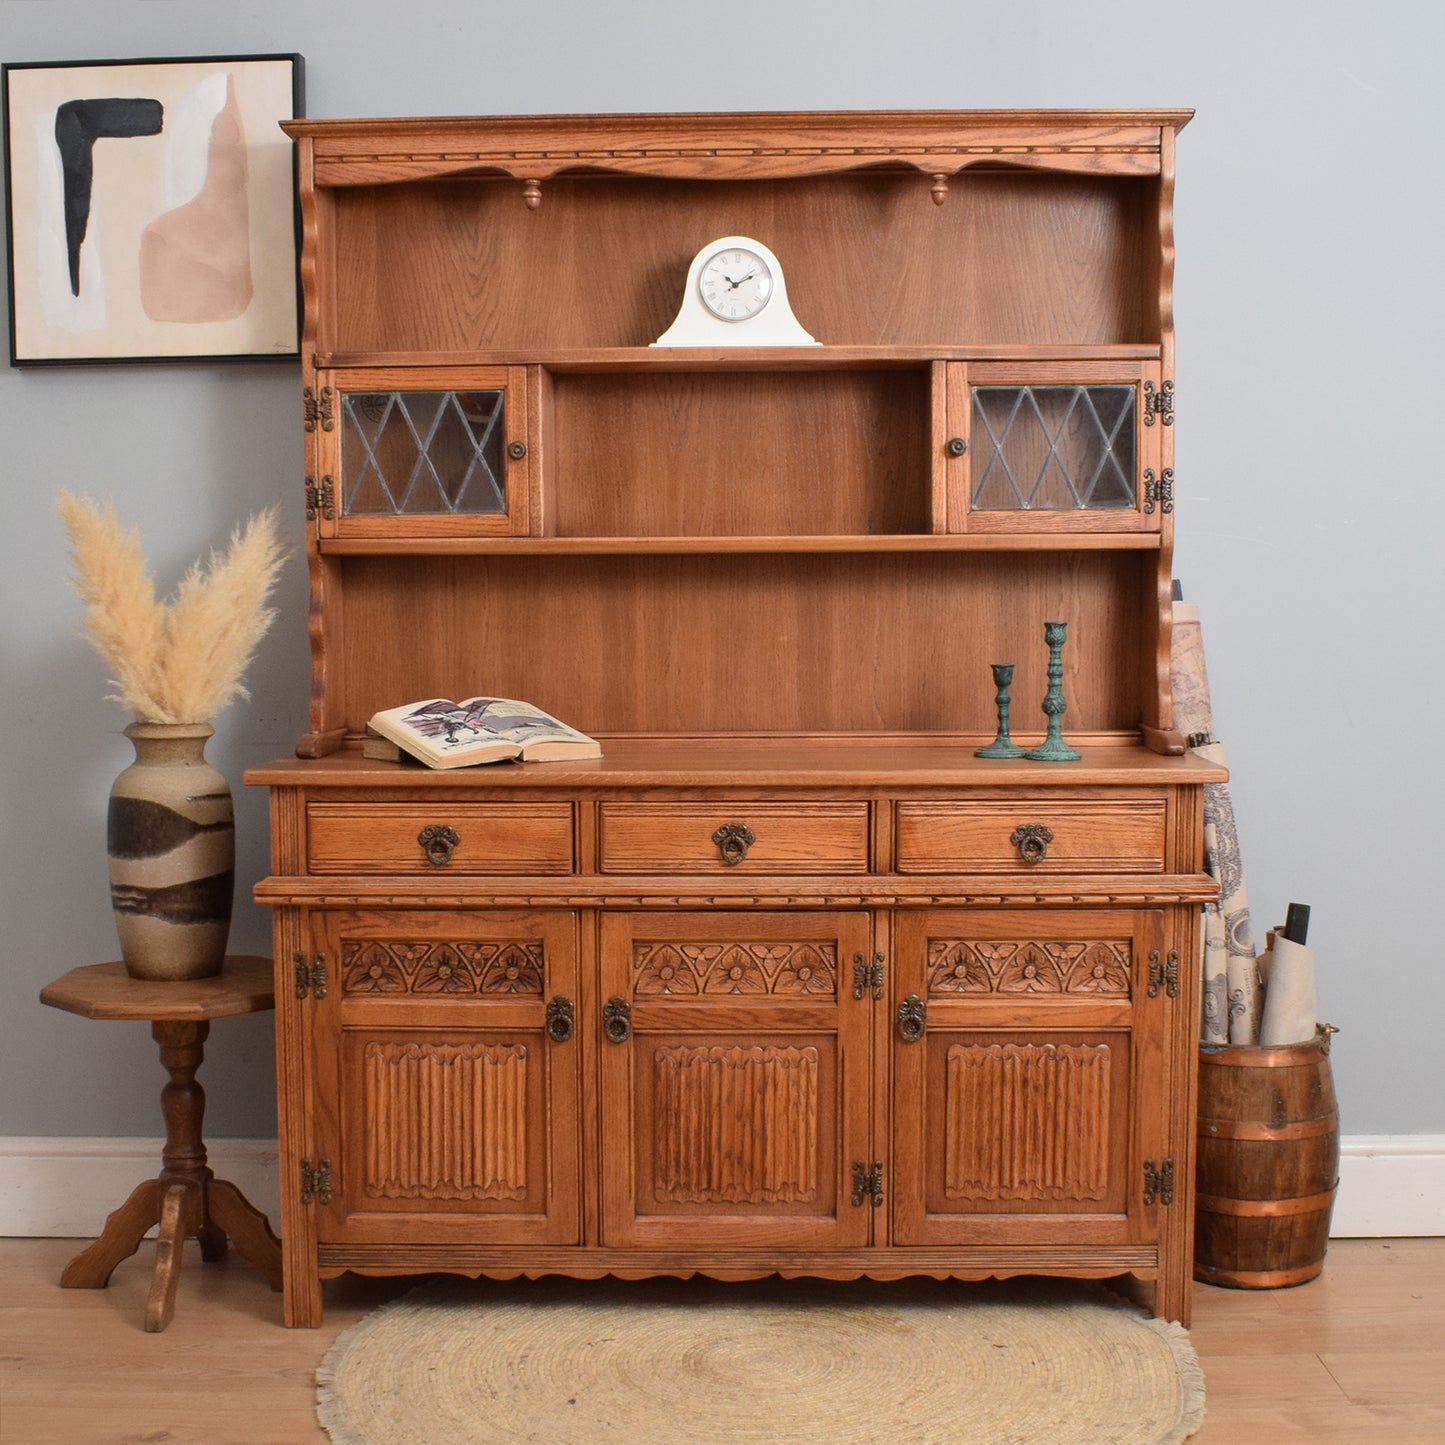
<point>186,1199</point>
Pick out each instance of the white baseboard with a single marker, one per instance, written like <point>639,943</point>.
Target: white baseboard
<point>65,1188</point>
<point>1390,1184</point>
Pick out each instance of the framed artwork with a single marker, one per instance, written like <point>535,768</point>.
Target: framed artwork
<point>151,209</point>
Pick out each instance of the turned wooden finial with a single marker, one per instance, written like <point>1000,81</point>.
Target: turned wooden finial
<point>532,194</point>
<point>939,189</point>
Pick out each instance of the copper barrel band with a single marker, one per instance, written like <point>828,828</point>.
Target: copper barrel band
<point>1236,1129</point>
<point>1265,1208</point>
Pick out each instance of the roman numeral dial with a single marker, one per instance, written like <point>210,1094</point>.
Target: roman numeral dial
<point>735,284</point>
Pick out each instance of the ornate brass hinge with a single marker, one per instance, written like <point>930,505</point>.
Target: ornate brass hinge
<point>1159,403</point>
<point>1159,489</point>
<point>310,975</point>
<point>1164,973</point>
<point>867,1183</point>
<point>316,1183</point>
<point>320,501</point>
<point>316,408</point>
<point>1159,1183</point>
<point>868,977</point>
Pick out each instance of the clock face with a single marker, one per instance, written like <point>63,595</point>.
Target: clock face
<point>735,284</point>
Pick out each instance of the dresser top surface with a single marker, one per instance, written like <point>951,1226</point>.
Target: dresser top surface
<point>726,763</point>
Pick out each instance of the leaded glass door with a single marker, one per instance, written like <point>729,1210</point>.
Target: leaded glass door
<point>1057,448</point>
<point>421,453</point>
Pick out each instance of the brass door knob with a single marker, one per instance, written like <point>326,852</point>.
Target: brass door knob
<point>617,1019</point>
<point>911,1013</point>
<point>560,1019</point>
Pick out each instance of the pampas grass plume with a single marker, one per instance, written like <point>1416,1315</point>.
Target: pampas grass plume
<point>179,661</point>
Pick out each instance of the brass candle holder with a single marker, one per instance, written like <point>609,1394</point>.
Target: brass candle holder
<point>1002,746</point>
<point>1054,749</point>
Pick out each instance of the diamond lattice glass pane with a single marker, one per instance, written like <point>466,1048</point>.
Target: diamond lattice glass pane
<point>363,415</point>
<point>1052,448</point>
<point>418,453</point>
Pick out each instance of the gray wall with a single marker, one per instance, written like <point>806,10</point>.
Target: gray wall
<point>1309,313</point>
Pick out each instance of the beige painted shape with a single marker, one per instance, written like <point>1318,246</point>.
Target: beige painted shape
<point>195,261</point>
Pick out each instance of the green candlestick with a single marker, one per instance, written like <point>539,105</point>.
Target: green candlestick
<point>1002,746</point>
<point>1054,749</point>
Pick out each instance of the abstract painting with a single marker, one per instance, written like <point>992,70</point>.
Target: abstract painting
<point>151,207</point>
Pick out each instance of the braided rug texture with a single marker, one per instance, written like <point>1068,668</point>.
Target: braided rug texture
<point>1026,1362</point>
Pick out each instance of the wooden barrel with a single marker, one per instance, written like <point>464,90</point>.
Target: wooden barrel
<point>1269,1156</point>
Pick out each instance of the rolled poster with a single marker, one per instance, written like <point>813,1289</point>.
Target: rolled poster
<point>1290,1011</point>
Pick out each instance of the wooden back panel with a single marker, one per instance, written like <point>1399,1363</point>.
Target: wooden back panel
<point>748,453</point>
<point>797,643</point>
<point>1016,257</point>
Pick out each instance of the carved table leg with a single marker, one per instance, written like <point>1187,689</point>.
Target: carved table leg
<point>249,1229</point>
<point>186,1201</point>
<point>121,1237</point>
<point>180,1214</point>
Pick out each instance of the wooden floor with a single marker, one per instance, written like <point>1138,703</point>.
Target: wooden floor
<point>1357,1356</point>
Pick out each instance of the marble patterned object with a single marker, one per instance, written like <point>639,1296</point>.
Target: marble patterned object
<point>171,841</point>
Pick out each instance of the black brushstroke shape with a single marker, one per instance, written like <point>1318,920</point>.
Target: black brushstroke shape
<point>78,125</point>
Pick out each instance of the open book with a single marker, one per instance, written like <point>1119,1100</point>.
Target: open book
<point>446,734</point>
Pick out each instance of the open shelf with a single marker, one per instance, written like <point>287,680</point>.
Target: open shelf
<point>742,358</point>
<point>623,546</point>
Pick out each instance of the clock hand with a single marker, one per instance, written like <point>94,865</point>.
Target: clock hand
<point>733,285</point>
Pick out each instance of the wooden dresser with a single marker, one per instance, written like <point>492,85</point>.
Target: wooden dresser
<point>790,980</point>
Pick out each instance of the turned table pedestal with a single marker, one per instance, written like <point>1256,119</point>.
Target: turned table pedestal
<point>186,1200</point>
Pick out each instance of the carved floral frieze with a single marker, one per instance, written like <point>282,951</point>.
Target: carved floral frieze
<point>390,966</point>
<point>735,968</point>
<point>1029,966</point>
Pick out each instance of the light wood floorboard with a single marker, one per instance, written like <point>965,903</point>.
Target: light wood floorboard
<point>1356,1357</point>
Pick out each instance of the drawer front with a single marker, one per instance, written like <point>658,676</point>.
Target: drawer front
<point>1032,835</point>
<point>728,838</point>
<point>441,837</point>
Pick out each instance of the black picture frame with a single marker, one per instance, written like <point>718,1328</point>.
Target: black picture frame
<point>151,209</point>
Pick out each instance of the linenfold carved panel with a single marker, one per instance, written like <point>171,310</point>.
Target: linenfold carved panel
<point>389,966</point>
<point>1025,966</point>
<point>445,1121</point>
<point>779,969</point>
<point>736,1125</point>
<point>1027,1121</point>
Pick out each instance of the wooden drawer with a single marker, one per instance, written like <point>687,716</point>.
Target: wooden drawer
<point>1071,835</point>
<point>475,837</point>
<point>733,838</point>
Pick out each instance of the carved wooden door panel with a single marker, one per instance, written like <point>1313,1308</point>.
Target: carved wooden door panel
<point>735,1079</point>
<point>1029,1075</point>
<point>446,1077</point>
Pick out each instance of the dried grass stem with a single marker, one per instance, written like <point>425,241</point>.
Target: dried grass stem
<point>182,660</point>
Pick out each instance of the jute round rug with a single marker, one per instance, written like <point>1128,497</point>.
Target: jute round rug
<point>666,1362</point>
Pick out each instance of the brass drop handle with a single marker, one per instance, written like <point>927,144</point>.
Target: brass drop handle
<point>560,1019</point>
<point>911,1014</point>
<point>617,1019</point>
<point>1032,840</point>
<point>733,841</point>
<point>437,842</point>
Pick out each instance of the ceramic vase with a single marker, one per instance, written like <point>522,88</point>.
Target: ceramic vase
<point>171,840</point>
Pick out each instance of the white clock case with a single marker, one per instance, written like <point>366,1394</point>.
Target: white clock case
<point>774,325</point>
